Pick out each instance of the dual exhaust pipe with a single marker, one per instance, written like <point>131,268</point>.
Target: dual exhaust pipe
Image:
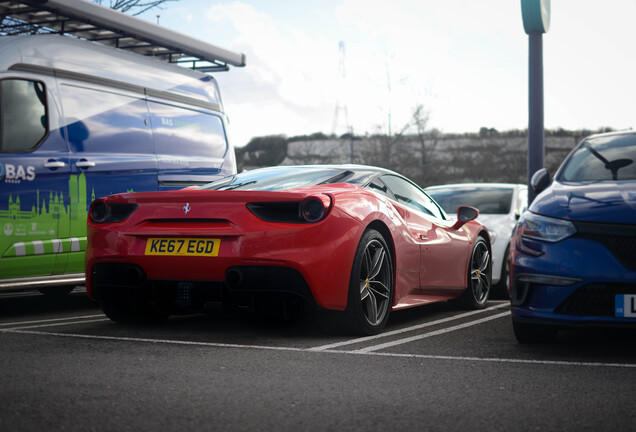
<point>233,277</point>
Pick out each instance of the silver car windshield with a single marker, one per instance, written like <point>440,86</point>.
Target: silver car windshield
<point>488,200</point>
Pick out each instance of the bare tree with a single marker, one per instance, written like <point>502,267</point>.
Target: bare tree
<point>426,143</point>
<point>385,147</point>
<point>133,7</point>
<point>307,153</point>
<point>13,26</point>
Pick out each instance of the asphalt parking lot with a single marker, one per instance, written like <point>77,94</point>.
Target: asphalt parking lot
<point>67,367</point>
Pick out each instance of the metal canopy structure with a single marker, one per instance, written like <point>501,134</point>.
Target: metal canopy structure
<point>83,19</point>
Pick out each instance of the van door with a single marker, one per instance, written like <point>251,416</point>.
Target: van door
<point>191,145</point>
<point>34,178</point>
<point>110,151</point>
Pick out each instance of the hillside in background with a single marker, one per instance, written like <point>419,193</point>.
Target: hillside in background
<point>429,158</point>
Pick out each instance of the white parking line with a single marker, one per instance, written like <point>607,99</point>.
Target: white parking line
<point>499,360</point>
<point>331,352</point>
<point>408,329</point>
<point>58,324</point>
<point>21,323</point>
<point>434,333</point>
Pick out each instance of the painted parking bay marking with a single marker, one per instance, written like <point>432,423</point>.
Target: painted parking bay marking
<point>54,322</point>
<point>409,329</point>
<point>329,352</point>
<point>23,329</point>
<point>434,333</point>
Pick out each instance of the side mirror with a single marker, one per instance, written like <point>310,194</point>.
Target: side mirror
<point>540,180</point>
<point>465,214</point>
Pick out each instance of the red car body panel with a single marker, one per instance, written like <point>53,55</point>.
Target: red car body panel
<point>431,258</point>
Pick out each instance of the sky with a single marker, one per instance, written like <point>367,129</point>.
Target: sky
<point>464,61</point>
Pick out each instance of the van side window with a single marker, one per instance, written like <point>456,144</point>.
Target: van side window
<point>185,131</point>
<point>23,119</point>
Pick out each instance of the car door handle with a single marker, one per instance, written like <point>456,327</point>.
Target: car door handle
<point>84,164</point>
<point>54,164</point>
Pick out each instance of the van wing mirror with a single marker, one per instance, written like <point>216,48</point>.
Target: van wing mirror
<point>465,214</point>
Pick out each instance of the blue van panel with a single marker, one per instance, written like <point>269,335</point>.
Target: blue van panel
<point>191,145</point>
<point>127,124</point>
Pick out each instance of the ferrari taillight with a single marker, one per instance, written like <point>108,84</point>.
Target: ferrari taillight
<point>310,210</point>
<point>314,208</point>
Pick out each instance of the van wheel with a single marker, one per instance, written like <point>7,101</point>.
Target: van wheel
<point>125,308</point>
<point>370,286</point>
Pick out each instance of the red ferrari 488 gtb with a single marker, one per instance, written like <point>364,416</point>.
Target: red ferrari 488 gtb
<point>358,240</point>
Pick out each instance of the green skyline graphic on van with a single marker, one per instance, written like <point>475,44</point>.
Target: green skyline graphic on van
<point>49,238</point>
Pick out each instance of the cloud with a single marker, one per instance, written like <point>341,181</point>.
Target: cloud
<point>588,65</point>
<point>440,55</point>
<point>287,86</point>
<point>280,55</point>
<point>397,56</point>
<point>465,60</point>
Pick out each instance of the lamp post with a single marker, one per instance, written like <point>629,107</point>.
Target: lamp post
<point>536,21</point>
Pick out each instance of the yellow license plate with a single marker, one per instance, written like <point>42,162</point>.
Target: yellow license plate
<point>183,246</point>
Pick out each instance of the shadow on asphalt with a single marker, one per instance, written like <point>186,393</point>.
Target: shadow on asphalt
<point>582,344</point>
<point>28,304</point>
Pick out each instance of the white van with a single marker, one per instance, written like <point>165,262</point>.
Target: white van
<point>80,120</point>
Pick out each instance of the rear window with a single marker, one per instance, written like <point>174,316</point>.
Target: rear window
<point>279,178</point>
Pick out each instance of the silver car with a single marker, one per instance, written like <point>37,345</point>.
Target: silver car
<point>500,205</point>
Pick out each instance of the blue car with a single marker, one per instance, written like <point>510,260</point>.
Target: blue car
<point>574,257</point>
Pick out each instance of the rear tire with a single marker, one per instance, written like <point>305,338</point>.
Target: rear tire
<point>479,276</point>
<point>126,308</point>
<point>370,286</point>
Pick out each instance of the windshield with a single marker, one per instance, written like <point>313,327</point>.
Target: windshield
<point>279,178</point>
<point>486,199</point>
<point>602,158</point>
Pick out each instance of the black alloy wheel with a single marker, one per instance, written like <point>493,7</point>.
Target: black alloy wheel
<point>479,276</point>
<point>370,286</point>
